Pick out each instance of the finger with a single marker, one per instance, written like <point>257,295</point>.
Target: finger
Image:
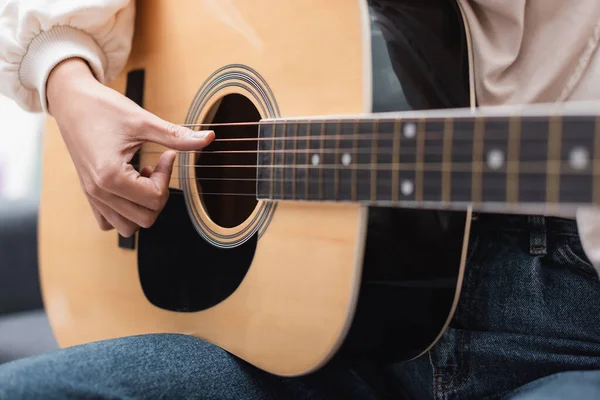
<point>175,137</point>
<point>150,192</point>
<point>146,171</point>
<point>136,213</point>
<point>102,222</point>
<point>161,176</point>
<point>125,227</point>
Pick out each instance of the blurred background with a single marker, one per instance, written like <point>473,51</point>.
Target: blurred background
<point>24,327</point>
<point>20,134</point>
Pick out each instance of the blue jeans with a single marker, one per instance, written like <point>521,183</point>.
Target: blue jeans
<point>527,327</point>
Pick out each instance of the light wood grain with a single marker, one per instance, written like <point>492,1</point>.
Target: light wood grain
<point>291,311</point>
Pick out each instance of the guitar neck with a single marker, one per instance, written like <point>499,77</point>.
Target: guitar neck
<point>529,162</point>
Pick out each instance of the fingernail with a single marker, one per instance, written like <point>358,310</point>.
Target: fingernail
<point>200,134</point>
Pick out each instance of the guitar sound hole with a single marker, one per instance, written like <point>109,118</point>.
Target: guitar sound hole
<point>226,169</point>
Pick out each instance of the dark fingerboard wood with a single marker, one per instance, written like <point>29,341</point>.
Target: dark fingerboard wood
<point>265,158</point>
<point>408,142</point>
<point>331,163</point>
<point>289,147</point>
<point>533,160</point>
<point>347,173</point>
<point>493,162</point>
<point>433,160</point>
<point>364,154</point>
<point>278,159</point>
<point>512,160</point>
<point>463,157</point>
<point>506,161</point>
<point>314,160</point>
<point>578,143</point>
<point>385,164</point>
<point>301,165</point>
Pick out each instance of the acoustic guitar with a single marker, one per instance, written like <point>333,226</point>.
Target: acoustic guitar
<point>329,220</point>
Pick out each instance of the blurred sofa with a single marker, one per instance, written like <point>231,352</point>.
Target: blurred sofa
<point>24,326</point>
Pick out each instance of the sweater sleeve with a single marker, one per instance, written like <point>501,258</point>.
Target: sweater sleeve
<point>36,35</point>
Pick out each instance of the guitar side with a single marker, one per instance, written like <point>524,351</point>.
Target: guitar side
<point>312,265</point>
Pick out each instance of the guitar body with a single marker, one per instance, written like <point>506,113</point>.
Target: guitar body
<point>288,286</point>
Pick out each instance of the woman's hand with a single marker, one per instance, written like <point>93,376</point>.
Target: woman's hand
<point>102,130</point>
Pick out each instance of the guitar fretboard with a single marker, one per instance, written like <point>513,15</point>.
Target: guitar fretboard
<point>507,160</point>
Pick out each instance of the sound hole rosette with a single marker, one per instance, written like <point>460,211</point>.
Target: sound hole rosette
<point>231,79</point>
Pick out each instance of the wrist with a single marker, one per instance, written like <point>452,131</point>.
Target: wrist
<point>65,79</point>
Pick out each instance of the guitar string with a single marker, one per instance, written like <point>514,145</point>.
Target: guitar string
<point>489,135</point>
<point>366,136</point>
<point>402,120</point>
<point>408,145</point>
<point>467,166</point>
<point>492,191</point>
<point>298,179</point>
<point>429,150</point>
<point>381,185</point>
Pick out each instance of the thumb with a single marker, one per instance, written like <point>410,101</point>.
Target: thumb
<point>177,137</point>
<point>161,174</point>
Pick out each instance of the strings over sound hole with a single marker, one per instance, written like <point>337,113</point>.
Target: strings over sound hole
<point>226,169</point>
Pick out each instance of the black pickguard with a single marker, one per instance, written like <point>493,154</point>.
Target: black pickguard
<point>412,257</point>
<point>179,270</point>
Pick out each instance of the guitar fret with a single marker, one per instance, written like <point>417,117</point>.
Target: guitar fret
<point>576,166</point>
<point>419,161</point>
<point>289,160</point>
<point>301,162</point>
<point>364,160</point>
<point>330,167</point>
<point>279,161</point>
<point>447,160</point>
<point>512,175</point>
<point>553,161</point>
<point>322,158</point>
<point>272,177</point>
<point>396,160</point>
<point>265,160</point>
<point>294,161</point>
<point>315,160</point>
<point>533,151</point>
<point>462,172</point>
<point>283,159</point>
<point>308,146</point>
<point>493,167</point>
<point>383,148</point>
<point>373,164</point>
<point>432,160</point>
<point>407,156</point>
<point>477,165</point>
<point>347,168</point>
<point>355,163</point>
<point>338,161</point>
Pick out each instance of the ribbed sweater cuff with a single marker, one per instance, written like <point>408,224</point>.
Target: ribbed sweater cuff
<point>51,47</point>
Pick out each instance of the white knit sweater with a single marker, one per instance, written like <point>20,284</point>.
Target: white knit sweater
<point>35,35</point>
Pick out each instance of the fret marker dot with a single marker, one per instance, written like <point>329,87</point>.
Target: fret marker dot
<point>410,130</point>
<point>407,188</point>
<point>495,159</point>
<point>315,159</point>
<point>346,159</point>
<point>579,158</point>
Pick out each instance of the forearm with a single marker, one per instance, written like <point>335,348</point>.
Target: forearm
<point>37,35</point>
